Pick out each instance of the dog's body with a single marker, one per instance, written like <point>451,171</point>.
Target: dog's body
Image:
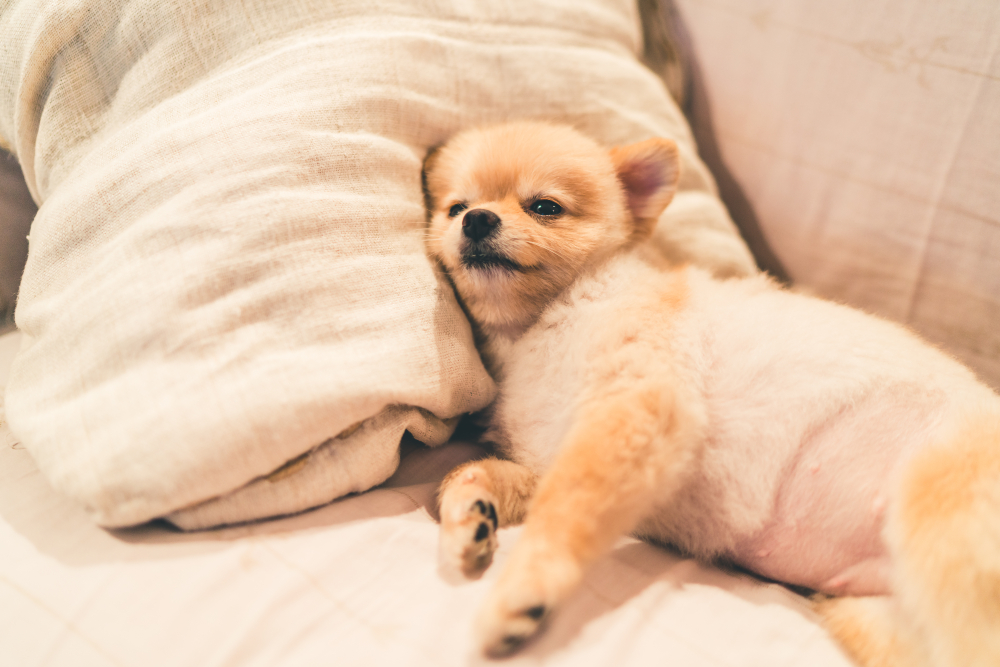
<point>800,412</point>
<point>801,439</point>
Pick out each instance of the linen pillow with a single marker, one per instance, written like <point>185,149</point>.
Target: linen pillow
<point>865,136</point>
<point>228,269</point>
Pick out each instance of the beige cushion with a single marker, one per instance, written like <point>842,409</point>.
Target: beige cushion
<point>865,135</point>
<point>228,267</point>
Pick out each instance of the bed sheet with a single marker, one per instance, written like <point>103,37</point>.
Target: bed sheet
<point>352,583</point>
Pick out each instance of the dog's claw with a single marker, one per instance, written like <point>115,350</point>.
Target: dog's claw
<point>502,634</point>
<point>536,579</point>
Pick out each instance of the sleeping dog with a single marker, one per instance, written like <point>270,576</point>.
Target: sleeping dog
<point>800,439</point>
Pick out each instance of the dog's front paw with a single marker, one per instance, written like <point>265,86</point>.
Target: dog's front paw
<point>533,583</point>
<point>468,526</point>
<point>504,625</point>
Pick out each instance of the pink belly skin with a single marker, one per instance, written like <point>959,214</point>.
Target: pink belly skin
<point>825,532</point>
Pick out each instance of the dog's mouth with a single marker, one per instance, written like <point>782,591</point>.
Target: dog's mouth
<point>483,259</point>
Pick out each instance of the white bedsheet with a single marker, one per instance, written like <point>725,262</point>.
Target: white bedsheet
<point>351,583</point>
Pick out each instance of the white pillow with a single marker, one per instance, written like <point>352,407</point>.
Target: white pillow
<point>228,266</point>
<point>865,135</point>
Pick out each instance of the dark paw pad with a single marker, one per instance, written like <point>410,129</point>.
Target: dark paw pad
<point>487,510</point>
<point>482,532</point>
<point>508,645</point>
<point>536,612</point>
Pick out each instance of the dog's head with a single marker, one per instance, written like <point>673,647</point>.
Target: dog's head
<point>517,211</point>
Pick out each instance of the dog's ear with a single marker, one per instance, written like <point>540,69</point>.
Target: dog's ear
<point>428,165</point>
<point>649,171</point>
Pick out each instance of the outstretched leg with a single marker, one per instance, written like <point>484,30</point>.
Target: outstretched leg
<point>869,630</point>
<point>474,500</point>
<point>626,453</point>
<point>944,533</point>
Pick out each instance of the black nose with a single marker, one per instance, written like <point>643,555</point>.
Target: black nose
<point>479,223</point>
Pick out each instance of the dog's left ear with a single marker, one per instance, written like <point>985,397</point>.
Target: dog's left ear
<point>428,165</point>
<point>649,171</point>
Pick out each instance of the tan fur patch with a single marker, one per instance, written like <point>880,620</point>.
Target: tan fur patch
<point>867,630</point>
<point>945,531</point>
<point>943,481</point>
<point>613,461</point>
<point>510,483</point>
<point>677,293</point>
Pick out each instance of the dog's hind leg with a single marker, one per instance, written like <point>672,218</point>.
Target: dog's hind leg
<point>474,500</point>
<point>869,630</point>
<point>943,531</point>
<point>625,453</point>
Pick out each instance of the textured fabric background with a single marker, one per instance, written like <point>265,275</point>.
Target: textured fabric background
<point>227,268</point>
<point>866,137</point>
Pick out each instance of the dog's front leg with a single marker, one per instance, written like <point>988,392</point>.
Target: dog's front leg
<point>474,500</point>
<point>626,452</point>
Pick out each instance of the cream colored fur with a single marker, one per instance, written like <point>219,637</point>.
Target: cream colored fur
<point>798,438</point>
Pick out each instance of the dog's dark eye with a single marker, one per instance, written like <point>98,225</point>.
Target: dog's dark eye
<point>545,207</point>
<point>456,209</point>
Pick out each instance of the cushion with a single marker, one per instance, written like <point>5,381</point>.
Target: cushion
<point>864,135</point>
<point>227,312</point>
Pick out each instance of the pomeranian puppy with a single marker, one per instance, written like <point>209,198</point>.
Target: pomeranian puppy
<point>800,439</point>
